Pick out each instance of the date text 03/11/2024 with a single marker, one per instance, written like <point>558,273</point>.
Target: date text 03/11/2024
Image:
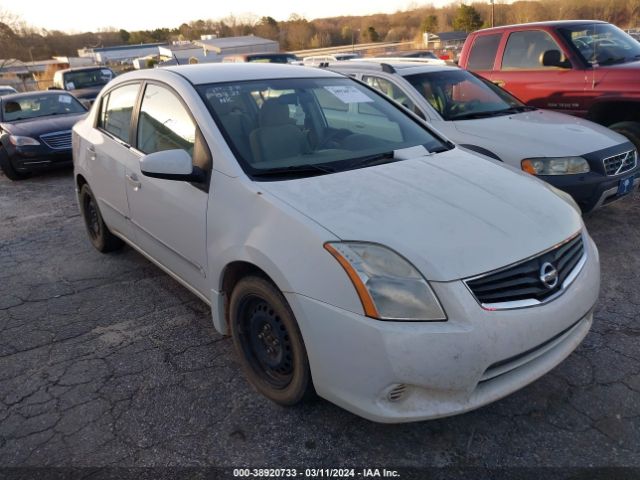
<point>315,473</point>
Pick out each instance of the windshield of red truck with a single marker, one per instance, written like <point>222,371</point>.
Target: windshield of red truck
<point>602,43</point>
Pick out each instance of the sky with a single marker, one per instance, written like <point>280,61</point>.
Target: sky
<point>91,15</point>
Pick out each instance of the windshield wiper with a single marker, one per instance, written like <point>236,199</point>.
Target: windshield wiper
<point>493,113</point>
<point>371,160</point>
<point>295,171</point>
<point>611,61</point>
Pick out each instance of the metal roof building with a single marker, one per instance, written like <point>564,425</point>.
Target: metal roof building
<point>234,45</point>
<point>120,53</point>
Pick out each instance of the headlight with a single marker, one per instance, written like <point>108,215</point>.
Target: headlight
<point>555,166</point>
<point>389,287</point>
<point>22,141</point>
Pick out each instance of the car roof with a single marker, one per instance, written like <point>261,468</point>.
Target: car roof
<point>401,68</point>
<point>227,72</point>
<point>21,95</point>
<point>553,23</point>
<point>80,69</point>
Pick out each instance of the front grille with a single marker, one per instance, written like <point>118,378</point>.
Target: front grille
<point>57,140</point>
<point>620,163</point>
<point>522,282</point>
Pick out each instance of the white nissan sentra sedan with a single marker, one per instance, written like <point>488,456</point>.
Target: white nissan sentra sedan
<point>371,260</point>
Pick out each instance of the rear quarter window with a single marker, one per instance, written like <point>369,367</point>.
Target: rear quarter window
<point>483,52</point>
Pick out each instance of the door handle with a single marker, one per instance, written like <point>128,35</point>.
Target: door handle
<point>133,181</point>
<point>359,125</point>
<point>92,152</point>
<point>500,83</point>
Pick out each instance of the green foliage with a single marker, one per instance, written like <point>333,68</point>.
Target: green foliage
<point>429,24</point>
<point>467,19</point>
<point>124,35</point>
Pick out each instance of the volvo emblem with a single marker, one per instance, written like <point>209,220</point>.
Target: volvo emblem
<point>548,275</point>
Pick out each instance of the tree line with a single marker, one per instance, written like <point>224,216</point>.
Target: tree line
<point>25,42</point>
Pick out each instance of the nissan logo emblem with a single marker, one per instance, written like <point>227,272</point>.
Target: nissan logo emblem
<point>548,275</point>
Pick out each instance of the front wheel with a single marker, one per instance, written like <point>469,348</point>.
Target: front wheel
<point>267,339</point>
<point>101,238</point>
<point>8,168</point>
<point>631,130</point>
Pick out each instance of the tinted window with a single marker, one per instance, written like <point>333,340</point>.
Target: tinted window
<point>87,78</point>
<point>459,94</point>
<point>525,49</point>
<point>164,123</point>
<point>389,89</point>
<point>115,117</point>
<point>483,52</point>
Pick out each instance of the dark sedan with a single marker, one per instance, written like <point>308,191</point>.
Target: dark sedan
<point>35,131</point>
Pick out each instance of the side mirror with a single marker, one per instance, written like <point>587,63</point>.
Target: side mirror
<point>171,165</point>
<point>553,58</point>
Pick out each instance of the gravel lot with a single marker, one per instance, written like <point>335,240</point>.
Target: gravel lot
<point>105,360</point>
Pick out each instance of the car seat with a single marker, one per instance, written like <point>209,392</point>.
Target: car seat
<point>277,137</point>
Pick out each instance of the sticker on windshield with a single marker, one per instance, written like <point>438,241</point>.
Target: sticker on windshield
<point>64,99</point>
<point>70,85</point>
<point>224,94</point>
<point>348,94</point>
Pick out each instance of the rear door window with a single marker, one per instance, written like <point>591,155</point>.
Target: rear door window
<point>116,109</point>
<point>483,52</point>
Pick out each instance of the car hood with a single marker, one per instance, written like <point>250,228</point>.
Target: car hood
<point>539,133</point>
<point>451,214</point>
<point>38,126</point>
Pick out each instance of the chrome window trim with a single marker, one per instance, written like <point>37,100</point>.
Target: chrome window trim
<point>532,302</point>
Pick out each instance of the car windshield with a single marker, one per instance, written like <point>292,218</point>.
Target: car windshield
<point>460,95</point>
<point>286,128</point>
<point>87,78</point>
<point>35,106</point>
<point>602,43</point>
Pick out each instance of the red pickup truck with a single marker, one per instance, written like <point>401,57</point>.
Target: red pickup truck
<point>582,67</point>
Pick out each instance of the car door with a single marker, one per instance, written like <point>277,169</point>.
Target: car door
<point>523,74</point>
<point>169,216</point>
<point>109,156</point>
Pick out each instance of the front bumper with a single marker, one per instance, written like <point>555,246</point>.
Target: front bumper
<point>592,190</point>
<point>409,371</point>
<point>38,157</point>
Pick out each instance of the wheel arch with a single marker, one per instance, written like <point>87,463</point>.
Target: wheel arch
<point>608,112</point>
<point>232,273</point>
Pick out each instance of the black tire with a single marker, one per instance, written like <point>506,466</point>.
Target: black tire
<point>101,238</point>
<point>631,130</point>
<point>8,169</point>
<point>268,342</point>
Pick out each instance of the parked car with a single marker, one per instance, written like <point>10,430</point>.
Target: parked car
<point>7,90</point>
<point>581,67</point>
<point>262,58</point>
<point>35,131</point>
<point>595,165</point>
<point>358,254</point>
<point>83,82</point>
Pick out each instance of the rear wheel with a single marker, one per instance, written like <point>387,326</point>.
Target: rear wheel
<point>101,238</point>
<point>8,169</point>
<point>268,341</point>
<point>631,130</point>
